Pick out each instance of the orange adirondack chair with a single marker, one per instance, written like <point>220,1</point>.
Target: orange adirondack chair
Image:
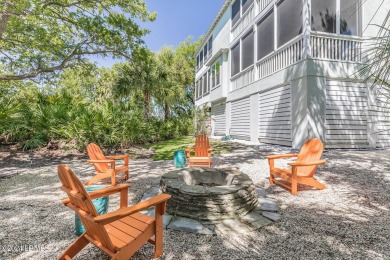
<point>202,157</point>
<point>101,162</point>
<point>120,233</point>
<point>302,170</point>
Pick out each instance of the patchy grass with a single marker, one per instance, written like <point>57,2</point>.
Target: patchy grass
<point>165,149</point>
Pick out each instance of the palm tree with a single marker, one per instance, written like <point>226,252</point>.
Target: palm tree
<point>139,75</point>
<point>378,69</point>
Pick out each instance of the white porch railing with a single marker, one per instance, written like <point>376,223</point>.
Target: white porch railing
<point>286,56</point>
<point>262,4</point>
<point>244,78</point>
<point>336,47</point>
<point>243,22</point>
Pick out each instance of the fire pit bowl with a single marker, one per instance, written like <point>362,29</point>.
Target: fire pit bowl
<point>209,194</point>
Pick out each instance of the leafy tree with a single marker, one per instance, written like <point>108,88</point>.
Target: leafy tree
<point>184,69</point>
<point>378,68</point>
<point>139,76</point>
<point>44,36</point>
<point>169,89</point>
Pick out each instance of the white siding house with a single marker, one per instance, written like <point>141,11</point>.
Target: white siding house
<point>279,72</point>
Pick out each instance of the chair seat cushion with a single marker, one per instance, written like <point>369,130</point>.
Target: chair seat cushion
<point>125,231</point>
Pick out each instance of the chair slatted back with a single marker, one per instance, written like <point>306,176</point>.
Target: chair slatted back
<point>80,200</point>
<point>311,151</point>
<point>95,153</point>
<point>202,145</point>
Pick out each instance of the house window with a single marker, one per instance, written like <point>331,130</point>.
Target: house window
<point>208,81</point>
<point>205,83</point>
<point>210,43</point>
<point>289,20</point>
<point>235,59</point>
<point>247,50</point>
<point>215,74</point>
<point>201,57</point>
<point>200,87</point>
<point>265,36</point>
<point>239,8</point>
<point>235,12</point>
<point>205,52</point>
<point>196,89</point>
<point>324,19</point>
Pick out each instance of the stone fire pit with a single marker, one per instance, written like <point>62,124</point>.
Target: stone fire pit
<point>209,194</point>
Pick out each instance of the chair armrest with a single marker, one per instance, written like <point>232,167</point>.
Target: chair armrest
<point>279,156</point>
<point>112,162</point>
<point>300,164</point>
<point>123,212</point>
<point>188,150</point>
<point>103,192</point>
<point>100,161</point>
<point>117,156</point>
<point>108,191</point>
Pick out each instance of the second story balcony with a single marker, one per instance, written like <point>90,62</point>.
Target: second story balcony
<point>272,35</point>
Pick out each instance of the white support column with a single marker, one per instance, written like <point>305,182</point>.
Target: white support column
<point>372,120</point>
<point>228,117</point>
<point>256,74</point>
<point>275,27</point>
<point>299,122</point>
<point>254,117</point>
<point>306,26</point>
<point>338,16</point>
<point>308,109</point>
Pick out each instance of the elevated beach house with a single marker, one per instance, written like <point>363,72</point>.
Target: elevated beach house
<point>279,72</point>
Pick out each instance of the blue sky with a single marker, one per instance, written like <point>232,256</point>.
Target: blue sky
<point>176,20</point>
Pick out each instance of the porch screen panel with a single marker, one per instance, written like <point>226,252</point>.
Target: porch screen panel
<point>217,73</point>
<point>275,116</point>
<point>246,4</point>
<point>200,87</point>
<point>265,36</point>
<point>210,44</point>
<point>289,20</point>
<point>205,85</point>
<point>240,119</point>
<point>247,50</point>
<point>218,111</point>
<point>346,115</point>
<point>235,59</point>
<point>348,17</point>
<point>323,16</point>
<point>236,12</point>
<point>382,116</point>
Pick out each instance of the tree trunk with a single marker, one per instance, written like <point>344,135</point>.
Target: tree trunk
<point>147,105</point>
<point>167,111</point>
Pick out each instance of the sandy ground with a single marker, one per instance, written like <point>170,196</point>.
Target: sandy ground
<point>348,220</point>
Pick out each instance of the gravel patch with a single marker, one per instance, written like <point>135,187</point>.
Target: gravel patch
<point>348,220</point>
